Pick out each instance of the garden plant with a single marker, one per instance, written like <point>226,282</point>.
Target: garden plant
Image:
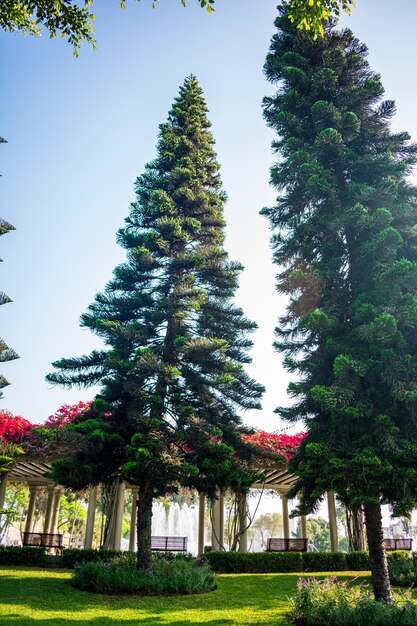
<point>331,602</point>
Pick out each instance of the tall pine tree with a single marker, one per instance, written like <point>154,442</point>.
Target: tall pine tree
<point>172,371</point>
<point>345,238</point>
<point>6,353</point>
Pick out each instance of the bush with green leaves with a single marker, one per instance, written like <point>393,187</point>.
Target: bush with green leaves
<point>402,569</point>
<point>73,556</point>
<point>23,555</point>
<point>331,602</point>
<point>358,561</point>
<point>284,562</point>
<point>255,562</point>
<point>324,561</point>
<point>168,577</point>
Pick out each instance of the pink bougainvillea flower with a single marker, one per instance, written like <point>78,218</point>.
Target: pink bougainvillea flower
<point>13,428</point>
<point>282,445</point>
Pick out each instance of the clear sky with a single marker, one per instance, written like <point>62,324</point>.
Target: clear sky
<point>80,130</point>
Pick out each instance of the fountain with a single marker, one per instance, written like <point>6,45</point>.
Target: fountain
<point>176,520</point>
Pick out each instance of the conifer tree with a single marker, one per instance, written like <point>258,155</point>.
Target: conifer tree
<point>345,239</point>
<point>172,371</point>
<point>6,353</point>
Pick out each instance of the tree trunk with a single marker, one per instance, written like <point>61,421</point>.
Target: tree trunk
<point>379,566</point>
<point>144,527</point>
<point>355,529</point>
<point>108,501</point>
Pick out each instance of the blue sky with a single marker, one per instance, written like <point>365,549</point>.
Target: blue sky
<point>80,130</point>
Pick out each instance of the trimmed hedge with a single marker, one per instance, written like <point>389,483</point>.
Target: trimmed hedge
<point>284,562</point>
<point>324,561</point>
<point>254,562</point>
<point>223,562</point>
<point>73,556</point>
<point>399,555</point>
<point>358,561</point>
<point>23,555</point>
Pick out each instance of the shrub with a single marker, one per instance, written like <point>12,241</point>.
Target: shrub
<point>171,556</point>
<point>22,555</point>
<point>334,603</point>
<point>178,576</point>
<point>402,569</point>
<point>284,562</point>
<point>324,561</point>
<point>358,561</point>
<point>255,562</point>
<point>399,556</point>
<point>72,556</point>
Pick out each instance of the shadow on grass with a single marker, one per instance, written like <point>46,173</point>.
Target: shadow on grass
<point>43,593</point>
<point>154,620</point>
<point>55,592</point>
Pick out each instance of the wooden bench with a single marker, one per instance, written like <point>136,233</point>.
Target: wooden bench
<point>286,545</point>
<point>169,544</point>
<point>398,544</point>
<point>45,540</point>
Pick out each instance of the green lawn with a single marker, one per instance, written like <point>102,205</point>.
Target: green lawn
<point>29,596</point>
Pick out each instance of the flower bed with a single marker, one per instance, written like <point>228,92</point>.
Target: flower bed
<point>180,576</point>
<point>331,602</point>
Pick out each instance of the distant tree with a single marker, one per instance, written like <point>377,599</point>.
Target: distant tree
<point>318,533</point>
<point>72,516</point>
<point>345,240</point>
<point>266,526</point>
<point>15,505</point>
<point>75,21</point>
<point>172,372</point>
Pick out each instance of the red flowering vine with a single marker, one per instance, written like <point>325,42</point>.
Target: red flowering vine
<point>13,428</point>
<point>282,445</point>
<point>66,414</point>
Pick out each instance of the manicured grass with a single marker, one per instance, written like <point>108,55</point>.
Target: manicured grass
<point>29,596</point>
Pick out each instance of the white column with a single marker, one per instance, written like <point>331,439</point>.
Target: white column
<point>49,505</point>
<point>334,541</point>
<point>91,516</point>
<point>285,516</point>
<point>201,523</point>
<point>243,522</point>
<point>133,519</point>
<point>31,509</point>
<point>303,524</point>
<point>55,509</point>
<point>119,508</point>
<point>3,486</point>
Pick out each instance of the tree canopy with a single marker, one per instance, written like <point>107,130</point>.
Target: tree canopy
<point>74,22</point>
<point>345,241</point>
<point>172,370</point>
<point>6,353</point>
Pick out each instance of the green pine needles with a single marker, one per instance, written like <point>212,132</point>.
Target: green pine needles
<point>172,370</point>
<point>345,241</point>
<point>6,353</point>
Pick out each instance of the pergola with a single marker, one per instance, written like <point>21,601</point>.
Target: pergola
<point>34,472</point>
